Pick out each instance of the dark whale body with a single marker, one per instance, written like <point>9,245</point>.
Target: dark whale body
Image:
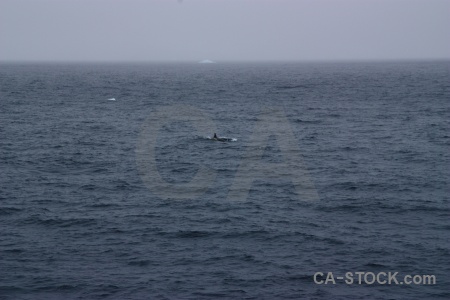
<point>216,138</point>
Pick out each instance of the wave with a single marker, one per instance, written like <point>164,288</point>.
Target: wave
<point>222,139</point>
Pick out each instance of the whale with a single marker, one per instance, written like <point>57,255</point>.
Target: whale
<point>224,139</point>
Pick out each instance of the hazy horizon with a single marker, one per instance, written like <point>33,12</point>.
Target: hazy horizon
<point>224,31</point>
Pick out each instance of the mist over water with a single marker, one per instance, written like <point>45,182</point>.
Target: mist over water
<point>77,220</point>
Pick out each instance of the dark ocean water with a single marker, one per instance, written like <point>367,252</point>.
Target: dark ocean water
<point>83,215</point>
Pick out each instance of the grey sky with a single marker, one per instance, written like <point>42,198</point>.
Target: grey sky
<point>154,30</point>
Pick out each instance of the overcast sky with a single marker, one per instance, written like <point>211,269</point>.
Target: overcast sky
<point>220,30</point>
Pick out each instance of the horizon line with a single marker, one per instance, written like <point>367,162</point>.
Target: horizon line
<point>92,61</point>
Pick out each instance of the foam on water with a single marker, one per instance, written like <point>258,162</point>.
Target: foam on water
<point>222,139</point>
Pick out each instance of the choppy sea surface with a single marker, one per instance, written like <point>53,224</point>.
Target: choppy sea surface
<point>84,216</point>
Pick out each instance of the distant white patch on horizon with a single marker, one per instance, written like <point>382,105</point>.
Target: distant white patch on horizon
<point>112,99</point>
<point>206,61</point>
